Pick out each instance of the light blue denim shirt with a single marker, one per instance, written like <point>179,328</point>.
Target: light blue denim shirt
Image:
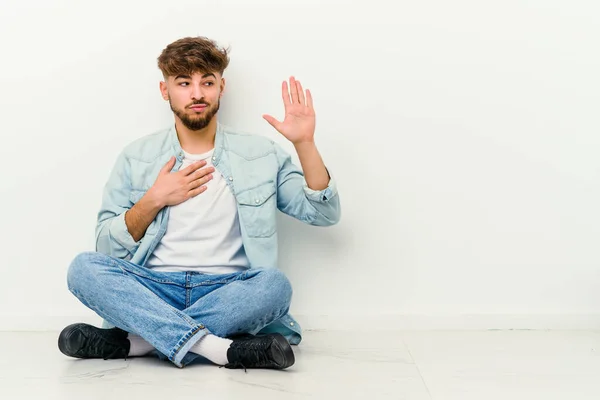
<point>259,173</point>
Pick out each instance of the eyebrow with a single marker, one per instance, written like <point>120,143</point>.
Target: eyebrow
<point>189,77</point>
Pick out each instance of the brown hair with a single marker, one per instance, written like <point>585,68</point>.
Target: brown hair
<point>193,54</point>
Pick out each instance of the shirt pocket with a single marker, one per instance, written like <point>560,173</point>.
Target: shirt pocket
<point>257,209</point>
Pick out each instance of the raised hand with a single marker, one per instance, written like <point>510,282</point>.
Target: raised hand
<point>298,125</point>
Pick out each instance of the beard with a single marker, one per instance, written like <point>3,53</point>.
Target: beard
<point>198,121</point>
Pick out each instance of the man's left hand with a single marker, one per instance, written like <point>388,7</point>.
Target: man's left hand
<point>298,125</point>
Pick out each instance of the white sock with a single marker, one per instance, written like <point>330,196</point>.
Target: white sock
<point>213,347</point>
<point>139,347</point>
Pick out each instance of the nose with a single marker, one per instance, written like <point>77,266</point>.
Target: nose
<point>196,92</point>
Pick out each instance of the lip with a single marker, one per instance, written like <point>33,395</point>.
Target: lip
<point>198,107</point>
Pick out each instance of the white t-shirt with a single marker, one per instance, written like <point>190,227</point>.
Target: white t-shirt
<point>203,233</point>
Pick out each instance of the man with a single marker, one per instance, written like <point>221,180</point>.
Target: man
<point>186,239</point>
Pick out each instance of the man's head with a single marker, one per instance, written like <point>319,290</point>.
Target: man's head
<point>193,70</point>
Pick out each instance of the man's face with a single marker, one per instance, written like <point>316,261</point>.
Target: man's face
<point>194,99</point>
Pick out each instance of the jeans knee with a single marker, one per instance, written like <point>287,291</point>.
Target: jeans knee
<point>278,284</point>
<point>80,270</point>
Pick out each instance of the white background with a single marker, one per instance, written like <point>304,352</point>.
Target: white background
<point>463,135</point>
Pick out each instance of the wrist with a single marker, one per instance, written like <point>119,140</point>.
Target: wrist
<point>303,146</point>
<point>153,200</point>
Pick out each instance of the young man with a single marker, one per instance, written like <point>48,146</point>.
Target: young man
<point>186,239</point>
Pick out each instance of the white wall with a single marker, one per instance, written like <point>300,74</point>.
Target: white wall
<point>464,137</point>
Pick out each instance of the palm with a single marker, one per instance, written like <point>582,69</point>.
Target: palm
<point>298,125</point>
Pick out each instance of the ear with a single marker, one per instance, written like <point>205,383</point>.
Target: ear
<point>164,91</point>
<point>222,86</point>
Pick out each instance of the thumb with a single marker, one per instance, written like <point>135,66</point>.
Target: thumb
<point>168,166</point>
<point>274,123</point>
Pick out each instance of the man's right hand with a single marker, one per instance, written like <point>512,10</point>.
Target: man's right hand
<point>172,188</point>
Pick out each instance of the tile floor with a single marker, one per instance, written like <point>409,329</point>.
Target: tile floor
<point>438,365</point>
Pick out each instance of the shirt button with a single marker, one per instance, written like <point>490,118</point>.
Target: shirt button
<point>231,178</point>
<point>291,324</point>
<point>257,201</point>
<point>214,158</point>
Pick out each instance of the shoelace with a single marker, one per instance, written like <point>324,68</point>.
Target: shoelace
<point>98,346</point>
<point>236,364</point>
<point>251,353</point>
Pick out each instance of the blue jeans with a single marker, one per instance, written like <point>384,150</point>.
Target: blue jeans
<point>173,310</point>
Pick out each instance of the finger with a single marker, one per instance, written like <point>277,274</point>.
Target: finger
<point>196,192</point>
<point>285,94</point>
<point>199,173</point>
<point>199,182</point>
<point>168,166</point>
<point>274,123</point>
<point>300,93</point>
<point>294,91</point>
<point>309,99</point>
<point>193,167</point>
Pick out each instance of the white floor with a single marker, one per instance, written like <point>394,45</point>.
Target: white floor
<point>483,365</point>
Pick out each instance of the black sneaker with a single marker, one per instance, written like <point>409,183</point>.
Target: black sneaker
<point>87,341</point>
<point>270,351</point>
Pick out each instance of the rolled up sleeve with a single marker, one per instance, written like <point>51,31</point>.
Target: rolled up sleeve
<point>296,199</point>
